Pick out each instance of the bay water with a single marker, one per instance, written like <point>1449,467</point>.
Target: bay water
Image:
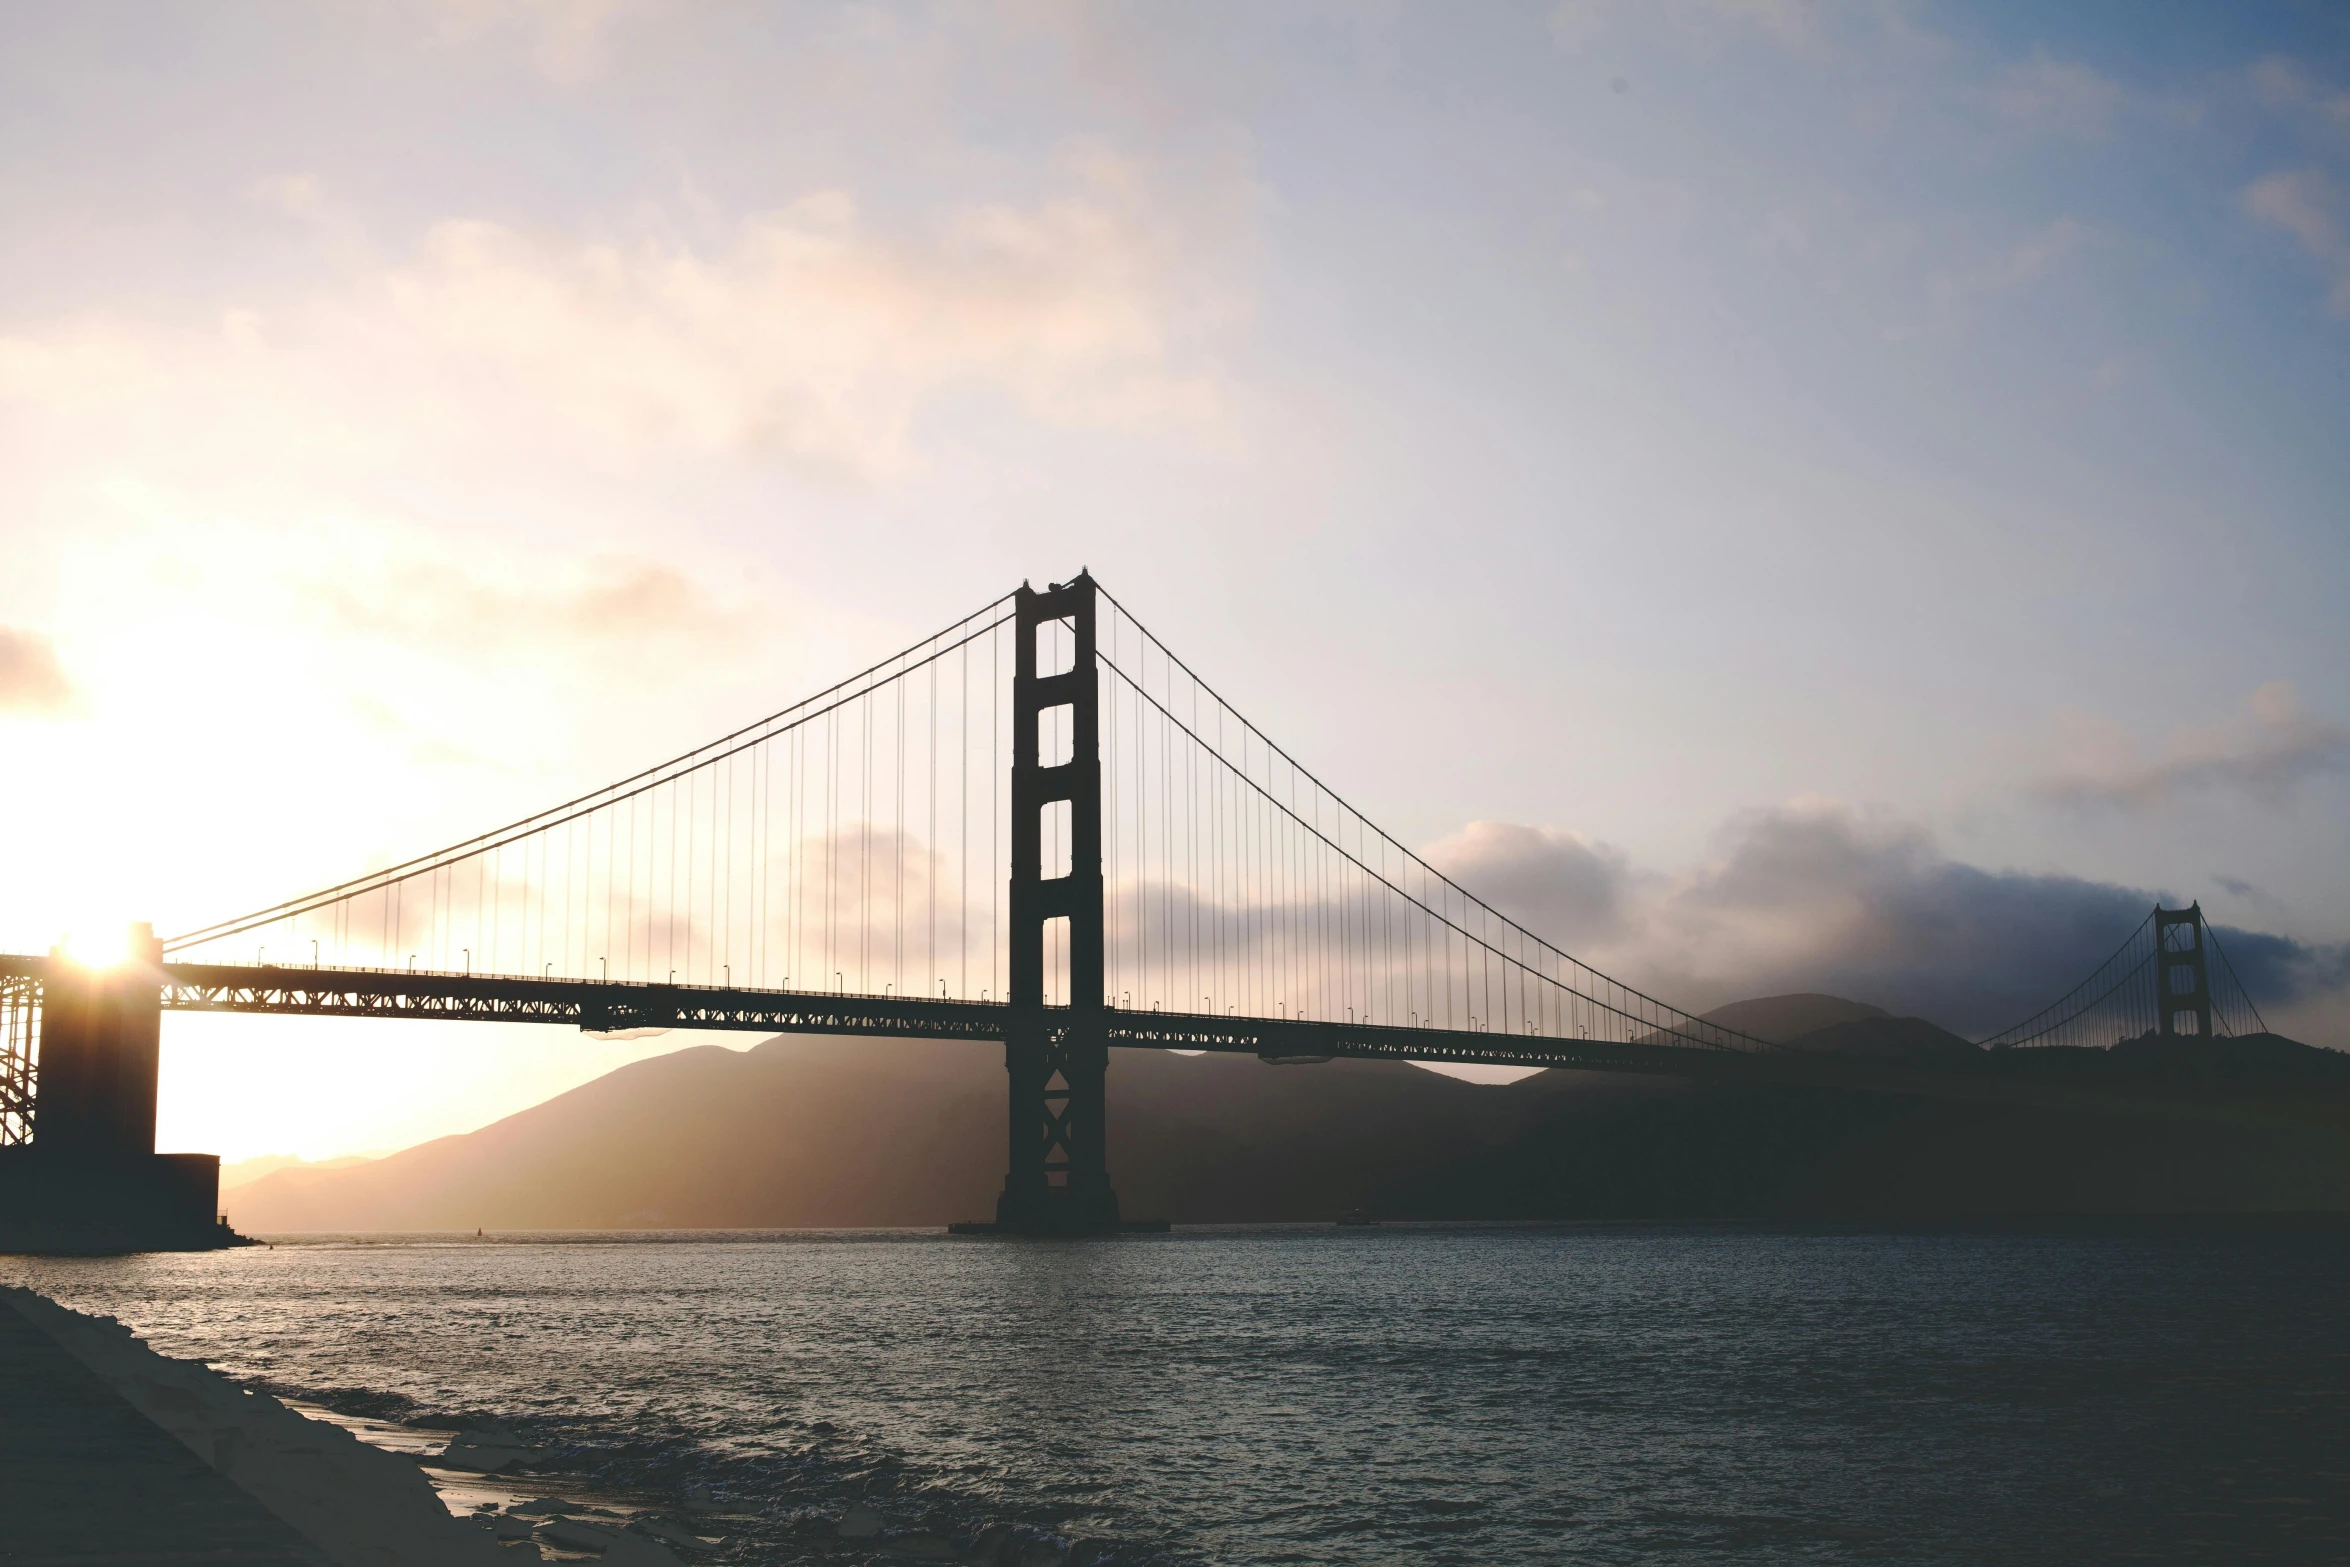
<point>2167,1392</point>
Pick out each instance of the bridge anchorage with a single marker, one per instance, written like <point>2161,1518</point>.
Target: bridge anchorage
<point>1113,858</point>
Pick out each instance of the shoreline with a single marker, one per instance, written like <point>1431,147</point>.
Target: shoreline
<point>2182,1221</point>
<point>319,1486</point>
<point>334,1496</point>
<point>348,1502</point>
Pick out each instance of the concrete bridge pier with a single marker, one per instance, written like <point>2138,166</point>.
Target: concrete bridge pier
<point>90,1180</point>
<point>101,1038</point>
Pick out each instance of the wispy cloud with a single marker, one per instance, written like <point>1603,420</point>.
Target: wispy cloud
<point>812,336</point>
<point>567,41</point>
<point>1799,26</point>
<point>454,606</point>
<point>2263,752</point>
<point>72,365</point>
<point>2283,83</point>
<point>32,680</point>
<point>2009,270</point>
<point>2046,95</point>
<point>289,195</point>
<point>806,336</point>
<point>2306,204</point>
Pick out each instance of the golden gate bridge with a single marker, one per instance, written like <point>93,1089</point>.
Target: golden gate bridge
<point>1038,828</point>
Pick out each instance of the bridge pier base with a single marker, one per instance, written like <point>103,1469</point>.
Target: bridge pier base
<point>1059,1183</point>
<point>89,1181</point>
<point>102,1205</point>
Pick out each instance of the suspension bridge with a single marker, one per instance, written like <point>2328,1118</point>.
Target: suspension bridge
<point>1038,828</point>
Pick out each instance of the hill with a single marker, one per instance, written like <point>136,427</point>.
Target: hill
<point>822,1132</point>
<point>802,1131</point>
<point>243,1172</point>
<point>1784,1019</point>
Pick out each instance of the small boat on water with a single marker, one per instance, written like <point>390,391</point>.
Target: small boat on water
<point>1356,1216</point>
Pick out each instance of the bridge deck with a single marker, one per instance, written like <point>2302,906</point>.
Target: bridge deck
<point>597,1006</point>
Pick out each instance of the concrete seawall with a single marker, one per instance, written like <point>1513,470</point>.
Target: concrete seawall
<point>110,1452</point>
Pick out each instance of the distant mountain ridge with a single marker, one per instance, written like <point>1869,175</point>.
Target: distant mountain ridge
<point>821,1132</point>
<point>243,1172</point>
<point>1784,1019</point>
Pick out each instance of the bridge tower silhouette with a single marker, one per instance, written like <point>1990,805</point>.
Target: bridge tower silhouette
<point>2182,977</point>
<point>1059,1178</point>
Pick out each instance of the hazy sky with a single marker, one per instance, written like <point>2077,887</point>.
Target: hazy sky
<point>1783,495</point>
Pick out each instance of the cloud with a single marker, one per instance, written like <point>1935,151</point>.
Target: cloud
<point>2283,83</point>
<point>811,336</point>
<point>806,336</point>
<point>2042,94</point>
<point>2282,975</point>
<point>1555,883</point>
<point>1815,895</point>
<point>567,41</point>
<point>2016,268</point>
<point>440,602</point>
<point>292,195</point>
<point>1580,24</point>
<point>2305,204</point>
<point>78,366</point>
<point>31,678</point>
<point>2266,751</point>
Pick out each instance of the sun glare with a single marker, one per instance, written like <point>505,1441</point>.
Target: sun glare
<point>100,946</point>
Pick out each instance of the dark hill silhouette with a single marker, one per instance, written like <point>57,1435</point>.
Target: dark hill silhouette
<point>2243,1058</point>
<point>792,1132</point>
<point>1784,1019</point>
<point>846,1132</point>
<point>1883,1038</point>
<point>817,1132</point>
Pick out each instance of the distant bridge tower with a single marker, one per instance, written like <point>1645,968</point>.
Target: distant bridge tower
<point>2182,979</point>
<point>1059,1181</point>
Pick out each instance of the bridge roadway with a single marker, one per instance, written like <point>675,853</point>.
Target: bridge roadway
<point>608,1006</point>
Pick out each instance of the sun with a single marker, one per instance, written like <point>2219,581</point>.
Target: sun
<point>100,946</point>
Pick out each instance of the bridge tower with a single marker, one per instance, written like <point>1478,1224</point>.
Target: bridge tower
<point>88,1178</point>
<point>1057,1057</point>
<point>101,1033</point>
<point>2182,978</point>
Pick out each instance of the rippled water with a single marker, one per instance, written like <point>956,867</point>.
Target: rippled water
<point>1361,1396</point>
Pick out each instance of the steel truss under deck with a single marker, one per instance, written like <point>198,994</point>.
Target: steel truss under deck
<point>602,1007</point>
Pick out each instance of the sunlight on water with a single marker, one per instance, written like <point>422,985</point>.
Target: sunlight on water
<point>1388,1395</point>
